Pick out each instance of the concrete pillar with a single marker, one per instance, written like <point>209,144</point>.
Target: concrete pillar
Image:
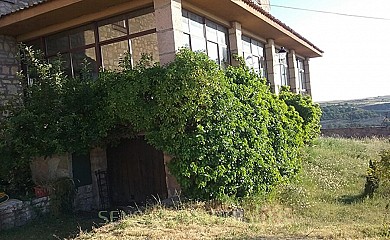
<point>10,85</point>
<point>235,41</point>
<point>272,66</point>
<point>98,157</point>
<point>293,71</point>
<point>168,28</point>
<point>307,76</point>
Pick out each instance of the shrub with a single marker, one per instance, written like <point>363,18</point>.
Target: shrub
<point>229,135</point>
<point>307,109</point>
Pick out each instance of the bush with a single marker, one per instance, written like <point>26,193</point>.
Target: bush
<point>308,110</point>
<point>229,135</point>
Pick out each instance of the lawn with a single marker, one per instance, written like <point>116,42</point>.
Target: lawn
<point>324,203</point>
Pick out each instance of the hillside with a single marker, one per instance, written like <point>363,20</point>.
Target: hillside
<point>373,111</point>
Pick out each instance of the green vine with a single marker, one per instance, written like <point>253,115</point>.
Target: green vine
<point>229,135</point>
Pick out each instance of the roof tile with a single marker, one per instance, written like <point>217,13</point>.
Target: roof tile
<point>267,14</point>
<point>11,6</point>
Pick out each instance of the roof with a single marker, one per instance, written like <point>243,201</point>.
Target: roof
<point>256,6</point>
<point>11,6</point>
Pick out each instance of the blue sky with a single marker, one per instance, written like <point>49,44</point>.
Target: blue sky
<point>356,62</point>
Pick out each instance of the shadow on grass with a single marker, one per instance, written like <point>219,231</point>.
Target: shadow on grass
<point>351,199</point>
<point>54,227</point>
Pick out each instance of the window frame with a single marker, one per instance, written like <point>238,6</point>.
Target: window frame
<point>222,46</point>
<point>97,44</point>
<point>301,74</point>
<point>262,62</point>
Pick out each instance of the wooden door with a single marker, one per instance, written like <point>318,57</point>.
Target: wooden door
<point>136,172</point>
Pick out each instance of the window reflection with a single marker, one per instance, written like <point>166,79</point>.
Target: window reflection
<point>144,45</point>
<point>82,36</point>
<point>113,53</point>
<point>201,34</point>
<point>57,43</point>
<point>133,32</point>
<point>301,74</point>
<point>79,59</point>
<point>142,23</point>
<point>253,53</point>
<point>65,61</point>
<point>112,30</point>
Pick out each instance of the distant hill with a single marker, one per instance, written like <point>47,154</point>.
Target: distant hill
<point>374,111</point>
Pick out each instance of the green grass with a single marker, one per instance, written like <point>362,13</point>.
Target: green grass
<point>323,203</point>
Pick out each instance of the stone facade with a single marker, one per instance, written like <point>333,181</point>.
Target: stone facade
<point>166,20</point>
<point>173,187</point>
<point>47,170</point>
<point>16,213</point>
<point>10,85</point>
<point>84,199</point>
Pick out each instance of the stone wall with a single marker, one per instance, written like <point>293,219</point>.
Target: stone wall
<point>98,162</point>
<point>357,132</point>
<point>84,199</point>
<point>9,66</point>
<point>16,213</point>
<point>46,170</point>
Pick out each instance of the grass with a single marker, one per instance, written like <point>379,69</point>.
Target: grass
<point>325,203</point>
<point>53,227</point>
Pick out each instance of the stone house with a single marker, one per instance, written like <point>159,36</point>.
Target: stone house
<point>102,31</point>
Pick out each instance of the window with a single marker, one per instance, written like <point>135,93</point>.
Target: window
<point>81,169</point>
<point>253,53</point>
<point>283,70</point>
<point>103,43</point>
<point>301,74</point>
<point>203,35</point>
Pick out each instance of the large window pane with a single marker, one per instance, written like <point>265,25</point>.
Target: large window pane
<point>206,36</point>
<point>212,51</point>
<point>246,45</point>
<point>36,44</point>
<point>113,30</point>
<point>144,45</point>
<point>196,25</point>
<point>185,22</point>
<point>254,55</point>
<point>224,57</point>
<point>65,61</point>
<point>198,44</point>
<point>186,41</point>
<point>57,43</point>
<point>82,36</point>
<point>301,74</point>
<point>142,23</point>
<point>211,31</point>
<point>222,34</point>
<point>79,59</point>
<point>112,53</point>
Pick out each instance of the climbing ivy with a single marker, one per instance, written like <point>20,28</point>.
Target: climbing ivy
<point>307,109</point>
<point>227,133</point>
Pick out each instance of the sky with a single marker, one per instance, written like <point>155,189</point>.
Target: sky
<point>356,60</point>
